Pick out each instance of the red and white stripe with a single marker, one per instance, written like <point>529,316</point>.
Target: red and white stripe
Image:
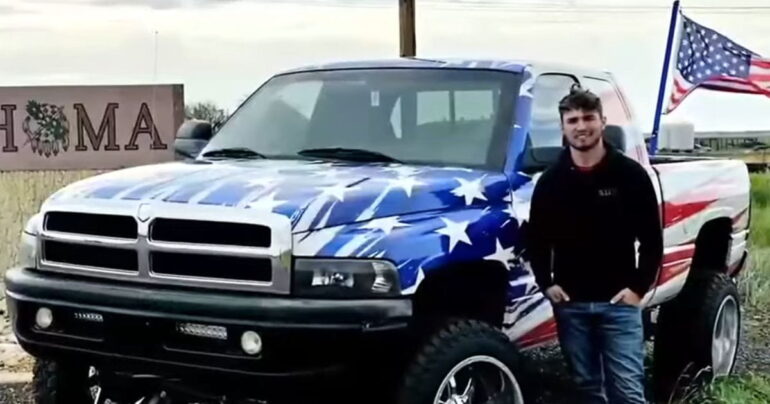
<point>758,82</point>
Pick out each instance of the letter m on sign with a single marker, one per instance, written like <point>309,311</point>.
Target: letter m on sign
<point>85,126</point>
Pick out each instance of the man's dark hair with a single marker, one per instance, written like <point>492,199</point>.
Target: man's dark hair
<point>580,99</point>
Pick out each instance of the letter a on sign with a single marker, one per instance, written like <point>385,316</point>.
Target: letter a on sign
<point>145,124</point>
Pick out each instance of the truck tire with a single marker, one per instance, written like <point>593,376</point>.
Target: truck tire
<point>59,383</point>
<point>463,360</point>
<point>697,334</point>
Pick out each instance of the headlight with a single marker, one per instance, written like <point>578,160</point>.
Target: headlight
<point>345,278</point>
<point>28,246</point>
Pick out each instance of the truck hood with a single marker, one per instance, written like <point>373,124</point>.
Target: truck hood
<point>313,194</point>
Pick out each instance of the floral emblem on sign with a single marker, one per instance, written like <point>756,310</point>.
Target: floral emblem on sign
<point>47,128</point>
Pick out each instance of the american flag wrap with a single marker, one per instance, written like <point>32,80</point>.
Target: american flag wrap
<point>708,59</point>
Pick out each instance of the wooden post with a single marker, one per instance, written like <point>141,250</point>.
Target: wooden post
<point>408,41</point>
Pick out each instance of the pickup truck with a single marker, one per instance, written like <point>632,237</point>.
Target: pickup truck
<point>355,224</point>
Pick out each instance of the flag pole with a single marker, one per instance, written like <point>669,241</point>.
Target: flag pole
<point>664,78</point>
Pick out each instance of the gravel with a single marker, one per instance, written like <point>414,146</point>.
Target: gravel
<point>754,350</point>
<point>14,394</point>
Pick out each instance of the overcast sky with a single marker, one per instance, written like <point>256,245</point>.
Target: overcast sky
<point>221,50</point>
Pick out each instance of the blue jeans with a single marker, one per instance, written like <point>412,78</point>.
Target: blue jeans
<point>603,344</point>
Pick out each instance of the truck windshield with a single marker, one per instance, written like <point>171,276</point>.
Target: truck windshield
<point>421,116</point>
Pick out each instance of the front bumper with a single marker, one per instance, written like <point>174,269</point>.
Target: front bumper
<point>138,327</point>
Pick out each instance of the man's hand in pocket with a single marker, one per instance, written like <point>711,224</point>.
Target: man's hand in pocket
<point>627,296</point>
<point>556,294</point>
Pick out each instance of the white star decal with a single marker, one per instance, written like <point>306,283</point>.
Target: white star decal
<point>405,183</point>
<point>503,255</point>
<point>455,231</point>
<point>469,190</point>
<point>267,203</point>
<point>337,191</point>
<point>386,225</point>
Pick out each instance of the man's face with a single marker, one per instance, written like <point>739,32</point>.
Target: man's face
<point>583,129</point>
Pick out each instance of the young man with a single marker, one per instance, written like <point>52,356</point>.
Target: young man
<point>588,211</point>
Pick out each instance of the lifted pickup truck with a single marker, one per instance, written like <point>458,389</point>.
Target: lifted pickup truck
<point>361,215</point>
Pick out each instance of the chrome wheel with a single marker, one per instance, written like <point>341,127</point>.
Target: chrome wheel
<point>479,380</point>
<point>99,394</point>
<point>724,344</point>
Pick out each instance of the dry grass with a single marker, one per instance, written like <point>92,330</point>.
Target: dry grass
<point>755,283</point>
<point>21,193</point>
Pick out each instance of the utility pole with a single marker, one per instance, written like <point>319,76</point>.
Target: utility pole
<point>408,41</point>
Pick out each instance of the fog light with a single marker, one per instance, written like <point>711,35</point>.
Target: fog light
<point>203,331</point>
<point>251,343</point>
<point>44,318</point>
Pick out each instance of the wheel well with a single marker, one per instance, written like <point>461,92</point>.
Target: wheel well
<point>473,290</point>
<point>712,244</point>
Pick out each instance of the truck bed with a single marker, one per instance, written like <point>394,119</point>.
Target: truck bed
<point>677,158</point>
<point>696,190</point>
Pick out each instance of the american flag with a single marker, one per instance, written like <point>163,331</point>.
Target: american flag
<point>708,59</point>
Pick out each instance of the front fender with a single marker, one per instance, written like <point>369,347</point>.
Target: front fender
<point>419,244</point>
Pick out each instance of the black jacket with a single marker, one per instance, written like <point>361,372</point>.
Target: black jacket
<point>584,225</point>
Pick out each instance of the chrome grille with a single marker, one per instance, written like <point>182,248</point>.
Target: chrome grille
<point>90,256</point>
<point>209,232</point>
<point>242,249</point>
<point>211,266</point>
<point>92,224</point>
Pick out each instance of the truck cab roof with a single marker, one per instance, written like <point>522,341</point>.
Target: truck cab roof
<point>509,65</point>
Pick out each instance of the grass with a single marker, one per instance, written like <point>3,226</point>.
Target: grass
<point>760,210</point>
<point>755,283</point>
<point>21,194</point>
<point>748,389</point>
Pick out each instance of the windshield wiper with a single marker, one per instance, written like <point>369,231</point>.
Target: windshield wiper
<point>342,153</point>
<point>235,152</point>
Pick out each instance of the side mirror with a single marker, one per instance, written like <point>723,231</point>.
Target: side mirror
<point>191,138</point>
